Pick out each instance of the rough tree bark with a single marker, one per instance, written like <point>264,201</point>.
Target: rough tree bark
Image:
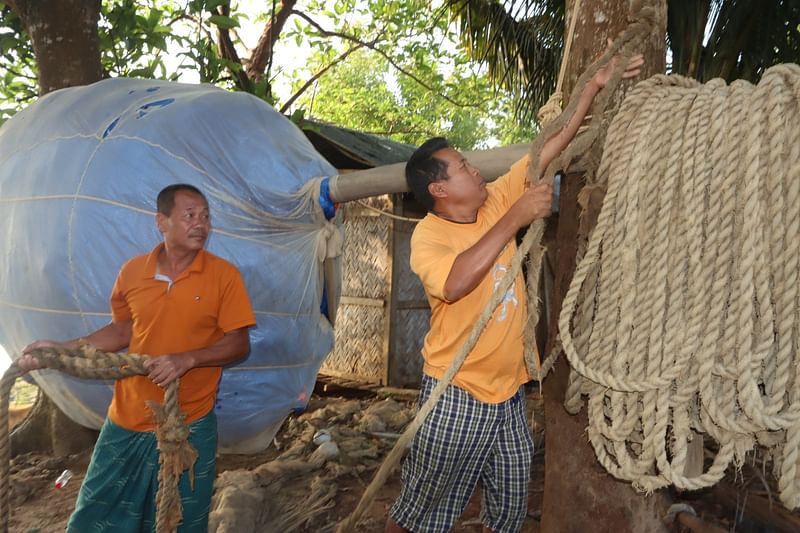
<point>64,38</point>
<point>262,55</point>
<point>67,49</point>
<point>579,495</point>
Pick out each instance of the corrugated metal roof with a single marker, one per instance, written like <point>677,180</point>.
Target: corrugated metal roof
<point>350,149</point>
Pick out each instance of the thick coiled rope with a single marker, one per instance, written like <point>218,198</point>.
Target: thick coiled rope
<point>624,46</point>
<point>176,454</point>
<point>683,317</point>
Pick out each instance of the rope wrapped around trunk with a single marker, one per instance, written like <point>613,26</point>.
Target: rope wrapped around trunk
<point>682,319</point>
<point>176,454</point>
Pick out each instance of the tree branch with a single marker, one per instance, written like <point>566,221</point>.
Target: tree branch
<point>197,20</point>
<point>262,54</point>
<point>13,5</point>
<point>228,51</point>
<point>19,74</point>
<point>27,98</point>
<point>319,74</point>
<point>372,46</point>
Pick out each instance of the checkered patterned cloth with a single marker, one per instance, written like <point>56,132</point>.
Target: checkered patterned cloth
<point>464,442</point>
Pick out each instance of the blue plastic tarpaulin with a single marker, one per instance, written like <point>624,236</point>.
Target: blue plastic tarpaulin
<point>79,173</point>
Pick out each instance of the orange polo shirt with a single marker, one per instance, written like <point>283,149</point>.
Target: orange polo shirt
<point>495,368</point>
<point>192,312</point>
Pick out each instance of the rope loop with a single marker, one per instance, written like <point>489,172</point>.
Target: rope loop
<point>172,433</point>
<point>681,319</point>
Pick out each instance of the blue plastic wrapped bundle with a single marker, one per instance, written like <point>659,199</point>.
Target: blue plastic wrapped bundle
<point>79,173</point>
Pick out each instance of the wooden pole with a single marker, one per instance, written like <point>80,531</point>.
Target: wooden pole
<point>391,178</point>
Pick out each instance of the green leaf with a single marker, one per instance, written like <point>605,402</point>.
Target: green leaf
<point>298,115</point>
<point>154,17</point>
<point>226,23</point>
<point>7,43</point>
<point>260,88</point>
<point>144,72</point>
<point>212,5</point>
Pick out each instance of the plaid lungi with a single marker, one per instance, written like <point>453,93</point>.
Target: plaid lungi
<point>462,443</point>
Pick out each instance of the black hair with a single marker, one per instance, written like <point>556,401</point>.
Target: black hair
<point>423,169</point>
<point>166,198</point>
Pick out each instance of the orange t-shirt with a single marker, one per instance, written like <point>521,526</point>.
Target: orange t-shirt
<point>495,368</point>
<point>206,301</point>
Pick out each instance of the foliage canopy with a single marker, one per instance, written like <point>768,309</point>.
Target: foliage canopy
<point>423,83</point>
<point>469,69</point>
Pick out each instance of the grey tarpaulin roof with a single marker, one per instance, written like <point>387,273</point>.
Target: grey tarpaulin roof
<point>350,149</point>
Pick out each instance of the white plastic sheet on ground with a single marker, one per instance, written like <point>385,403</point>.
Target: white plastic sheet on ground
<point>79,173</point>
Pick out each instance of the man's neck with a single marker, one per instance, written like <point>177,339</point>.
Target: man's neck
<point>172,263</point>
<point>459,216</point>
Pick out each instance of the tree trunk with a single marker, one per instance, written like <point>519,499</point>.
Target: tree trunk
<point>579,494</point>
<point>67,49</point>
<point>65,40</point>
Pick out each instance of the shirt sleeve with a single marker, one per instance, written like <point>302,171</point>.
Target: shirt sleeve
<point>120,310</point>
<point>432,260</point>
<point>510,186</point>
<point>235,310</point>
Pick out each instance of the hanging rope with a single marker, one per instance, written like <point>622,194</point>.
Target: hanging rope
<point>550,111</point>
<point>176,454</point>
<point>625,45</point>
<point>388,214</point>
<point>682,317</point>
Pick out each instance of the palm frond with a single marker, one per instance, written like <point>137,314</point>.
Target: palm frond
<point>732,39</point>
<point>519,42</point>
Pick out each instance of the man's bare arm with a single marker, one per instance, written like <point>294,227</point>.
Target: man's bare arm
<point>110,338</point>
<point>471,265</point>
<point>165,369</point>
<point>554,145</point>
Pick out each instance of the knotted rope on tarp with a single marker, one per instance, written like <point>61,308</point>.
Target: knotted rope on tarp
<point>682,319</point>
<point>176,454</point>
<point>624,46</point>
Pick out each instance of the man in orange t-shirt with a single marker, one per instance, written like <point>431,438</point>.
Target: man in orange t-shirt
<point>477,434</point>
<point>189,310</point>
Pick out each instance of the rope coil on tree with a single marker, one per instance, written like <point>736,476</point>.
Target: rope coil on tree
<point>628,41</point>
<point>175,452</point>
<point>685,305</point>
<point>624,47</point>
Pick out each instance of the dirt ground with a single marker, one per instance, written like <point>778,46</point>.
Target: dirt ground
<point>38,507</point>
<point>318,497</point>
<point>46,510</point>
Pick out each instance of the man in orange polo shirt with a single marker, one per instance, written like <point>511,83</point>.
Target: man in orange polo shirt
<point>189,310</point>
<point>477,434</point>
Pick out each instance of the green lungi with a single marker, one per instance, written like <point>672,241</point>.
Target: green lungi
<point>119,491</point>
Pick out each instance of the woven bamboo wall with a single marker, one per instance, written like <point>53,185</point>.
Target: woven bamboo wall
<point>359,352</point>
<point>411,313</point>
<point>383,315</point>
